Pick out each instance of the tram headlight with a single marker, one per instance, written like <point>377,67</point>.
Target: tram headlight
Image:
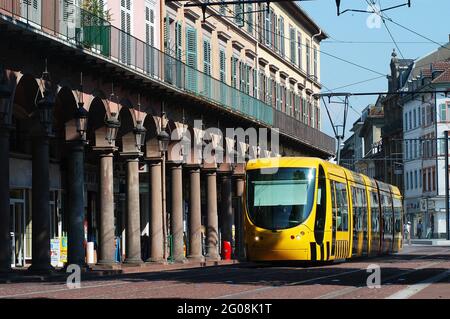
<point>257,238</point>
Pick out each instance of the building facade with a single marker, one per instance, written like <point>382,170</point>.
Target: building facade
<point>425,121</point>
<point>98,125</point>
<point>392,131</point>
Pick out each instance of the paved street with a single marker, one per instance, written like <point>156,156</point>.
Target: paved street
<point>418,272</point>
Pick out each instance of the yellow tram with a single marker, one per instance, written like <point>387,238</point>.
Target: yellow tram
<point>308,209</point>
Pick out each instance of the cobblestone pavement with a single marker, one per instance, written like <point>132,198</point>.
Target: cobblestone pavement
<point>417,272</point>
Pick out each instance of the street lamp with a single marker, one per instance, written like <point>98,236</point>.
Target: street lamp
<point>164,140</point>
<point>81,121</point>
<point>112,128</point>
<point>81,114</point>
<point>45,104</point>
<point>139,133</point>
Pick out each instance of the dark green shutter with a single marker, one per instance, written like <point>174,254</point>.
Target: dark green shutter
<point>191,58</point>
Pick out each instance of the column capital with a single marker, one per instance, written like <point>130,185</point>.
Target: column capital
<point>130,155</point>
<point>153,160</point>
<point>209,170</point>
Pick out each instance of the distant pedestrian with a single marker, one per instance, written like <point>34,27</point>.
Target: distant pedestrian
<point>419,229</point>
<point>408,232</point>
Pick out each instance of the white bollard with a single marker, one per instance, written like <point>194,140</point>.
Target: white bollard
<point>90,253</point>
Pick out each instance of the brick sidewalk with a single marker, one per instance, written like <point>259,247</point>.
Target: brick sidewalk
<point>23,275</point>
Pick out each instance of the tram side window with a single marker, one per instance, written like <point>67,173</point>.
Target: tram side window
<point>333,202</point>
<point>321,202</point>
<point>398,215</point>
<point>357,209</point>
<point>364,209</point>
<point>374,212</point>
<point>342,204</point>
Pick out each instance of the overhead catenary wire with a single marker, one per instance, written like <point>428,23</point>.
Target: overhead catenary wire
<point>382,15</point>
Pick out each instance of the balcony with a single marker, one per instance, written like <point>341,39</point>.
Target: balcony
<point>308,135</point>
<point>67,23</point>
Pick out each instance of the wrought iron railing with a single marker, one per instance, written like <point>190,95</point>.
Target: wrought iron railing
<point>309,135</point>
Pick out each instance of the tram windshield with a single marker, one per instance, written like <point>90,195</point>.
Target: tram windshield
<point>280,200</point>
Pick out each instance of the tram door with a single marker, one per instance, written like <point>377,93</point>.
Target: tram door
<point>17,233</point>
<point>340,226</point>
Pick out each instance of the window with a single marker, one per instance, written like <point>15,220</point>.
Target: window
<point>434,178</point>
<point>308,58</point>
<point>239,14</point>
<point>282,200</point>
<point>206,57</point>
<point>415,179</point>
<point>444,112</point>
<point>410,120</point>
<point>234,66</point>
<point>423,117</point>
<point>316,76</point>
<point>282,40</point>
<point>407,181</point>
<point>342,207</point>
<point>223,62</point>
<point>149,36</point>
<point>418,115</point>
<point>191,58</point>
<point>375,212</point>
<point>292,44</point>
<point>299,49</point>
<point>406,121</point>
<point>125,25</point>
<point>420,178</point>
<point>255,83</point>
<point>149,24</point>
<point>249,15</point>
<point>415,118</point>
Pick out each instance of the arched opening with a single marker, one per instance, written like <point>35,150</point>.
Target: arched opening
<point>25,95</point>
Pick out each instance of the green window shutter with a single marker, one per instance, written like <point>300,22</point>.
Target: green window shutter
<point>166,34</point>
<point>241,76</point>
<point>178,46</point>
<point>275,34</point>
<point>233,72</point>
<point>288,102</point>
<point>278,96</point>
<point>249,16</point>
<point>292,46</point>
<point>191,47</point>
<point>191,58</point>
<point>267,26</point>
<point>207,57</point>
<point>270,91</point>
<point>247,79</point>
<point>255,83</point>
<point>282,39</point>
<point>222,61</point>
<point>300,50</point>
<point>239,14</point>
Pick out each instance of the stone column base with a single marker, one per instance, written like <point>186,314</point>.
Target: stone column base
<point>200,259</point>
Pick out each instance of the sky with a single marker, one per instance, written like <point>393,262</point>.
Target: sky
<point>430,18</point>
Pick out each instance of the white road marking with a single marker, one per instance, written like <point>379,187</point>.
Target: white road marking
<point>414,289</point>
